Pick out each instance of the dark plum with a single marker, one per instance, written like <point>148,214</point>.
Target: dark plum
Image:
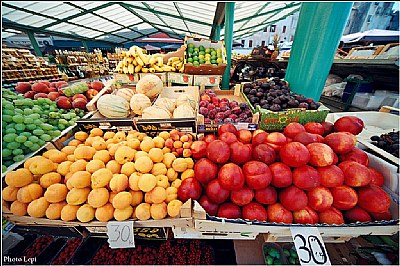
<point>266,106</point>
<point>246,90</point>
<point>259,94</point>
<point>284,105</point>
<point>275,107</point>
<point>303,105</point>
<point>277,101</point>
<point>263,102</point>
<point>253,91</point>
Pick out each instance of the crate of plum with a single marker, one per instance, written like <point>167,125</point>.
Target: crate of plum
<point>219,107</point>
<point>278,106</point>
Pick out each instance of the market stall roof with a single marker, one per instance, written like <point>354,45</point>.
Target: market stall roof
<point>372,35</point>
<point>117,23</point>
<point>149,47</point>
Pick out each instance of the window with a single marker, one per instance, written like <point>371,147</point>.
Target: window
<point>263,43</point>
<point>243,41</point>
<point>272,28</point>
<point>284,29</point>
<point>250,43</point>
<point>369,18</point>
<point>378,10</point>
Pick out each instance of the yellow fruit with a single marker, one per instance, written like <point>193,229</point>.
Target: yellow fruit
<point>176,183</point>
<point>147,197</point>
<point>128,168</point>
<point>159,169</point>
<point>179,165</point>
<point>164,135</point>
<point>98,197</point>
<point>133,143</point>
<point>10,193</point>
<point>71,158</point>
<point>119,182</point>
<point>74,142</point>
<point>147,182</point>
<point>141,136</point>
<point>53,212</point>
<point>63,168</point>
<point>68,212</point>
<point>141,154</point>
<point>156,155</point>
<point>124,154</point>
<point>85,213</point>
<point>94,165</point>
<point>188,173</point>
<point>159,142</point>
<point>120,136</point>
<point>158,194</point>
<point>96,132</point>
<point>37,208</point>
<point>19,178</point>
<point>172,174</point>
<point>112,148</point>
<point>77,196</point>
<point>101,178</point>
<point>41,166</point>
<point>147,144</point>
<point>137,197</point>
<point>123,214</point>
<point>134,180</point>
<point>109,135</point>
<point>84,152</point>
<point>99,145</point>
<point>166,150</point>
<point>162,181</point>
<point>174,208</point>
<point>114,166</point>
<point>169,158</point>
<point>102,155</point>
<point>172,193</point>
<point>79,165</point>
<point>142,211</point>
<point>144,164</point>
<point>112,195</point>
<point>81,135</point>
<point>122,200</point>
<point>68,150</point>
<point>19,208</point>
<point>55,156</point>
<point>29,193</point>
<point>80,179</point>
<point>190,163</point>
<point>158,211</point>
<point>49,179</point>
<point>56,193</point>
<point>105,212</point>
<point>28,162</point>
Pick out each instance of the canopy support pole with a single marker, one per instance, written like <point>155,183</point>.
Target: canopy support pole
<point>318,32</point>
<point>228,39</point>
<point>34,43</point>
<point>84,43</point>
<point>217,33</point>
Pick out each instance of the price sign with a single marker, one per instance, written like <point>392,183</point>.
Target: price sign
<point>120,234</point>
<point>309,246</point>
<point>154,233</point>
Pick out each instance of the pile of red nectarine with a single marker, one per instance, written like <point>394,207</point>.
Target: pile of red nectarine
<point>306,174</point>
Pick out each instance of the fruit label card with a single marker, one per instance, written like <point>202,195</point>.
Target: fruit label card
<point>120,234</point>
<point>309,246</point>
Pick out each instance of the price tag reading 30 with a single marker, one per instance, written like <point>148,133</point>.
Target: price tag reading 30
<point>120,234</point>
<point>309,246</point>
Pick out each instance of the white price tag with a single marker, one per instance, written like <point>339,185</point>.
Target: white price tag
<point>120,234</point>
<point>309,246</point>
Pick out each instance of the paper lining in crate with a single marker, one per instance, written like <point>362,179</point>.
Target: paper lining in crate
<point>205,69</point>
<point>179,78</point>
<point>207,80</point>
<point>187,125</point>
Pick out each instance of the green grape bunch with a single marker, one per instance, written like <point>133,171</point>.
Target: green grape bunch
<point>29,124</point>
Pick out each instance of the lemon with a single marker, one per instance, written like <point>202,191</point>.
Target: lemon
<point>207,50</point>
<point>219,60</point>
<point>201,56</point>
<point>213,53</point>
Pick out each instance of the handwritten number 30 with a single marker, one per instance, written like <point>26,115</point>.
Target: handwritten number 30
<point>310,250</point>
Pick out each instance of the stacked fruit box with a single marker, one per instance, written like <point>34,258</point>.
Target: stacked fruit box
<point>204,56</point>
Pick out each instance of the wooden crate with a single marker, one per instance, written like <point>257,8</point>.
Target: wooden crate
<point>180,79</point>
<point>365,52</point>
<point>390,51</point>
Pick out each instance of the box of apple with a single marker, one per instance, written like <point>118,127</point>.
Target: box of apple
<point>66,96</point>
<point>307,174</point>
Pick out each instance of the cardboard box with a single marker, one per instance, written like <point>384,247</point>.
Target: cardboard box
<point>126,78</point>
<point>163,76</point>
<point>231,95</point>
<point>205,69</point>
<point>207,80</point>
<point>95,119</point>
<point>179,78</point>
<point>154,126</point>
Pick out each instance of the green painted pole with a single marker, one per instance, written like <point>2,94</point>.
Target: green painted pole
<point>318,32</point>
<point>34,43</point>
<point>84,43</point>
<point>228,39</point>
<point>217,33</point>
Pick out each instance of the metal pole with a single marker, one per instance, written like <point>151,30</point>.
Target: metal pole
<point>85,45</point>
<point>318,32</point>
<point>217,33</point>
<point>228,39</point>
<point>34,43</point>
